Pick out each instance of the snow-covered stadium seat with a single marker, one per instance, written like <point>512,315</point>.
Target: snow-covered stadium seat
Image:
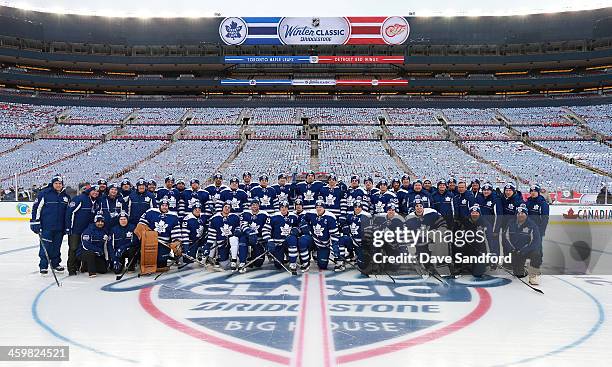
<point>23,119</point>
<point>412,116</point>
<point>186,159</point>
<point>551,132</point>
<point>437,160</point>
<point>534,115</point>
<point>363,158</point>
<point>98,115</point>
<point>210,131</point>
<point>6,144</point>
<point>115,155</point>
<point>158,116</point>
<point>481,132</point>
<point>39,153</point>
<point>270,157</point>
<point>470,116</point>
<point>538,167</point>
<point>592,153</point>
<point>351,132</point>
<point>417,131</point>
<point>277,132</point>
<point>598,117</point>
<point>214,116</point>
<point>80,131</point>
<point>274,116</point>
<point>342,116</point>
<point>161,131</point>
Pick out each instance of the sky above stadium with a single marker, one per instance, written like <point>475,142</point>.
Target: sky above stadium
<point>198,8</point>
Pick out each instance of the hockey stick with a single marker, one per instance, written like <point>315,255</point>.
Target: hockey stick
<point>514,275</point>
<point>40,240</point>
<point>247,264</point>
<point>125,270</point>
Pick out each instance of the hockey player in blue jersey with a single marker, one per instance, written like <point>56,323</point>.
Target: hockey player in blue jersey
<point>334,198</point>
<point>442,202</point>
<point>79,215</point>
<point>406,185</point>
<point>452,186</point>
<point>462,202</point>
<point>428,187</point>
<point>152,186</point>
<point>475,189</point>
<point>93,249</point>
<point>308,190</point>
<point>268,201</point>
<point>182,199</point>
<point>169,192</point>
<point>236,196</point>
<point>523,241</point>
<point>283,230</point>
<point>111,205</point>
<point>48,221</point>
<point>138,202</point>
<point>382,197</point>
<point>284,190</point>
<point>168,228</point>
<point>352,232</point>
<point>421,222</point>
<point>491,208</point>
<point>252,236</point>
<point>194,230</point>
<point>320,233</point>
<point>299,209</point>
<point>418,190</point>
<point>246,184</point>
<point>538,208</point>
<point>122,244</point>
<point>126,188</point>
<point>223,233</point>
<point>370,190</point>
<point>477,244</point>
<point>214,190</point>
<point>195,193</point>
<point>355,192</point>
<point>510,200</point>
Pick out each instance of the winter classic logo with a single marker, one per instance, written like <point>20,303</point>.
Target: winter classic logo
<point>314,31</point>
<point>281,318</point>
<point>395,30</point>
<point>23,209</point>
<point>233,31</point>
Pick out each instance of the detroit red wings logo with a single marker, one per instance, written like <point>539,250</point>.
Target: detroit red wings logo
<point>395,29</point>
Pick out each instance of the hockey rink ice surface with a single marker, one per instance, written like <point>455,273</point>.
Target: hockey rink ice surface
<point>268,318</point>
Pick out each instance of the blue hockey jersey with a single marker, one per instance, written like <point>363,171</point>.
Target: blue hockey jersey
<point>322,228</point>
<point>172,195</point>
<point>49,210</point>
<point>355,224</point>
<point>357,193</point>
<point>279,226</point>
<point>81,212</point>
<point>136,204</point>
<point>308,192</point>
<point>111,208</point>
<point>122,238</point>
<point>539,212</point>
<point>221,227</point>
<point>254,223</point>
<point>167,225</point>
<point>334,200</point>
<point>284,193</point>
<point>238,198</point>
<point>95,239</point>
<point>268,200</point>
<point>194,228</point>
<point>380,199</point>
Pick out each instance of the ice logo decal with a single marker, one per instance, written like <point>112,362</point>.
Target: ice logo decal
<point>23,209</point>
<point>233,30</point>
<point>395,30</point>
<point>268,314</point>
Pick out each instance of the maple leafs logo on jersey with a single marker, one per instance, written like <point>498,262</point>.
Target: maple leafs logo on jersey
<point>160,227</point>
<point>309,195</point>
<point>172,201</point>
<point>354,229</point>
<point>235,203</point>
<point>318,230</point>
<point>200,231</point>
<point>330,200</point>
<point>226,230</point>
<point>489,203</point>
<point>285,230</point>
<point>233,30</point>
<point>282,197</point>
<point>254,226</point>
<point>192,201</point>
<point>349,201</point>
<point>380,207</point>
<point>265,200</point>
